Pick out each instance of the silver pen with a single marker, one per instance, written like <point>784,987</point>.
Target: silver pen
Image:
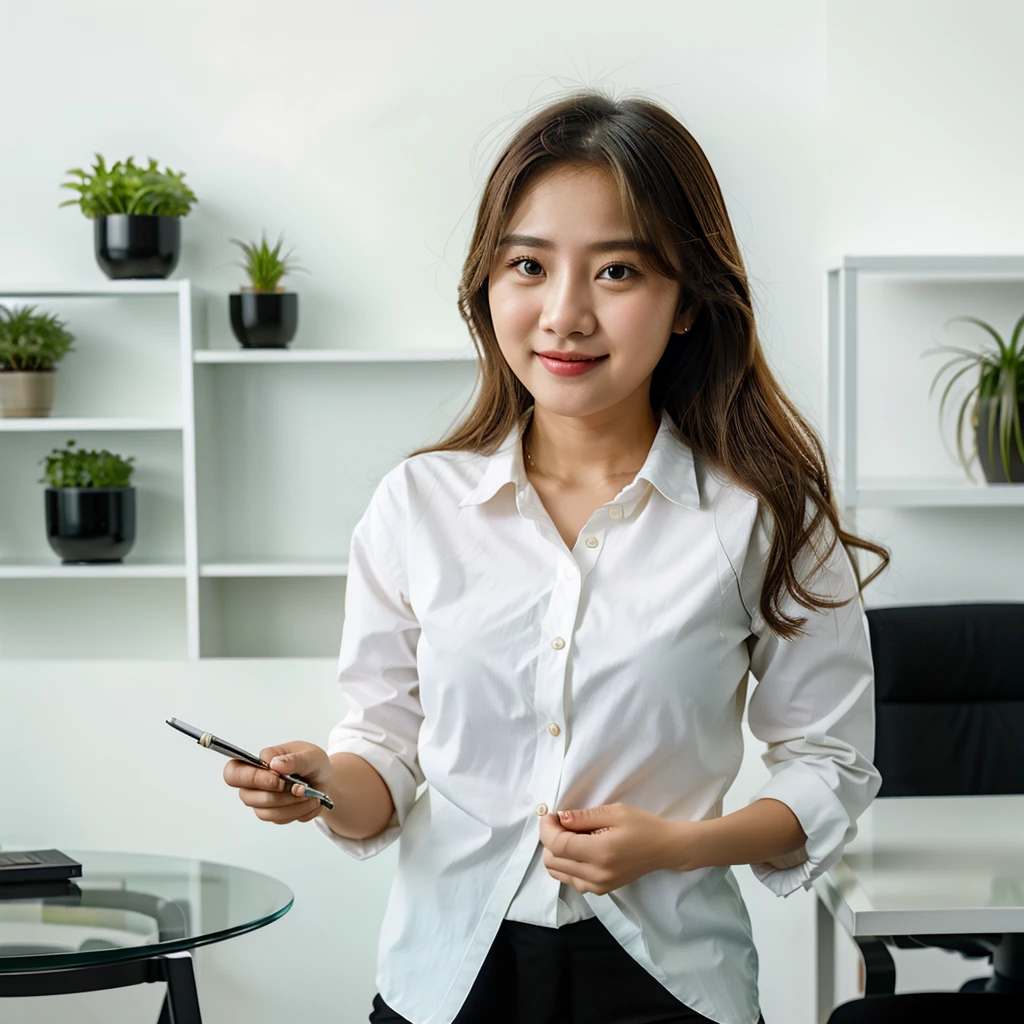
<point>207,739</point>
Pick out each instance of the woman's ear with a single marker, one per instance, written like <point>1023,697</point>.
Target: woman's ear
<point>684,318</point>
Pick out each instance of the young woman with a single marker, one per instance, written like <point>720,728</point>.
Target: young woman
<point>552,615</point>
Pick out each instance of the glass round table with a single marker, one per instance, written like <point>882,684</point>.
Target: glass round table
<point>130,918</point>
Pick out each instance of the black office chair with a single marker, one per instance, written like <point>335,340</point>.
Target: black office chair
<point>928,1007</point>
<point>949,720</point>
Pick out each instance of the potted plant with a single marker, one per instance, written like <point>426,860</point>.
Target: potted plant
<point>263,314</point>
<point>90,507</point>
<point>999,399</point>
<point>30,344</point>
<point>136,216</point>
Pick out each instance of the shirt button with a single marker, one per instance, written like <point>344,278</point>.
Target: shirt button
<point>542,809</point>
<point>591,542</point>
<point>558,643</point>
<point>553,729</point>
<point>615,512</point>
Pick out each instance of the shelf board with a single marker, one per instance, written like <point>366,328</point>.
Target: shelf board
<point>80,423</point>
<point>332,355</point>
<point>235,569</point>
<point>936,494</point>
<point>137,286</point>
<point>964,266</point>
<point>51,568</point>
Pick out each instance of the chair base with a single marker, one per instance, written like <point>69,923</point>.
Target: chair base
<point>880,970</point>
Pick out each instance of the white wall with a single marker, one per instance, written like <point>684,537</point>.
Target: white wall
<point>364,134</point>
<point>90,763</point>
<point>920,96</point>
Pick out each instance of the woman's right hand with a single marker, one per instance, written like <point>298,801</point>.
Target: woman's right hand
<point>270,796</point>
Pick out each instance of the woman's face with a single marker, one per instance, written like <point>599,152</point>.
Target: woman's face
<point>564,295</point>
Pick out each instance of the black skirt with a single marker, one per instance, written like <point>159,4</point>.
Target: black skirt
<point>576,974</point>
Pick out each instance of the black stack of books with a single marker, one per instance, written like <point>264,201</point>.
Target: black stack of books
<point>34,874</point>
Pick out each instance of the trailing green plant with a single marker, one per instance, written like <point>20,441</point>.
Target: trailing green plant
<point>32,341</point>
<point>70,467</point>
<point>1000,377</point>
<point>126,188</point>
<point>263,264</point>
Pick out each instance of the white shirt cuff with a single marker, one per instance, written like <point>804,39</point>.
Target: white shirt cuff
<point>823,818</point>
<point>399,781</point>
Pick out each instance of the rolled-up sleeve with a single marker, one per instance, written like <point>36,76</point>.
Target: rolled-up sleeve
<point>813,707</point>
<point>377,671</point>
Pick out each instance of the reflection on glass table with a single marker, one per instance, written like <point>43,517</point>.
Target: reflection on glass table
<point>130,918</point>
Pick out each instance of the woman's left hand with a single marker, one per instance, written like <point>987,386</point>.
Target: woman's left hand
<point>599,849</point>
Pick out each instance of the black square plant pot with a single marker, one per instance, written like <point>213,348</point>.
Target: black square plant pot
<point>85,525</point>
<point>264,319</point>
<point>993,468</point>
<point>134,245</point>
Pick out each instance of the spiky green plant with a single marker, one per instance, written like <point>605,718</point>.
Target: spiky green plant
<point>126,188</point>
<point>32,341</point>
<point>1000,377</point>
<point>70,467</point>
<point>264,265</point>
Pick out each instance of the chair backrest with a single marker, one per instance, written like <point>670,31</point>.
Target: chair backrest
<point>949,698</point>
<point>928,1007</point>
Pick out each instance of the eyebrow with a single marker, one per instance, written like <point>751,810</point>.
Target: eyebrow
<point>612,245</point>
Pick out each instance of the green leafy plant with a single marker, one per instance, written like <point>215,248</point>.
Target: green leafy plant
<point>68,467</point>
<point>31,341</point>
<point>1000,377</point>
<point>126,188</point>
<point>263,264</point>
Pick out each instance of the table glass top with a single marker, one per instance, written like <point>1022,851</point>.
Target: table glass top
<point>131,905</point>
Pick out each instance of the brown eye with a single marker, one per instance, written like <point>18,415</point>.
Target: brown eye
<point>622,266</point>
<point>619,266</point>
<point>522,259</point>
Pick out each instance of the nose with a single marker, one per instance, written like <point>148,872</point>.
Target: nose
<point>567,309</point>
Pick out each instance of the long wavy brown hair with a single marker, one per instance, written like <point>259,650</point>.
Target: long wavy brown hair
<point>716,383</point>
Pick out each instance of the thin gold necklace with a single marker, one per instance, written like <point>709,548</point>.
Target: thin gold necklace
<point>529,459</point>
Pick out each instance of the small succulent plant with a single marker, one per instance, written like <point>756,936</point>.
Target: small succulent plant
<point>31,341</point>
<point>70,467</point>
<point>126,188</point>
<point>1000,377</point>
<point>264,265</point>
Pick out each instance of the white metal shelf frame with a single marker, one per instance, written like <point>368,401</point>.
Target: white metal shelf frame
<point>187,299</point>
<point>841,398</point>
<point>192,351</point>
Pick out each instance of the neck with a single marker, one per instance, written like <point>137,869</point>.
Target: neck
<point>580,453</point>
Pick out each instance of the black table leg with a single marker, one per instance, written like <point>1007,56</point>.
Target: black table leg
<point>181,1002</point>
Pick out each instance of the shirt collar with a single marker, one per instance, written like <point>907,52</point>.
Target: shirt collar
<point>669,465</point>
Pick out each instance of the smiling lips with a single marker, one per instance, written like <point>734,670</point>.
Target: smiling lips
<point>570,367</point>
<point>569,357</point>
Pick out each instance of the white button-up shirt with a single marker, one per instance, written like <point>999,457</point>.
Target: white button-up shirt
<point>479,654</point>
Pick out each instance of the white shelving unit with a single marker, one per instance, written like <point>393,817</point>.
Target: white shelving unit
<point>187,508</point>
<point>841,397</point>
<point>326,355</point>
